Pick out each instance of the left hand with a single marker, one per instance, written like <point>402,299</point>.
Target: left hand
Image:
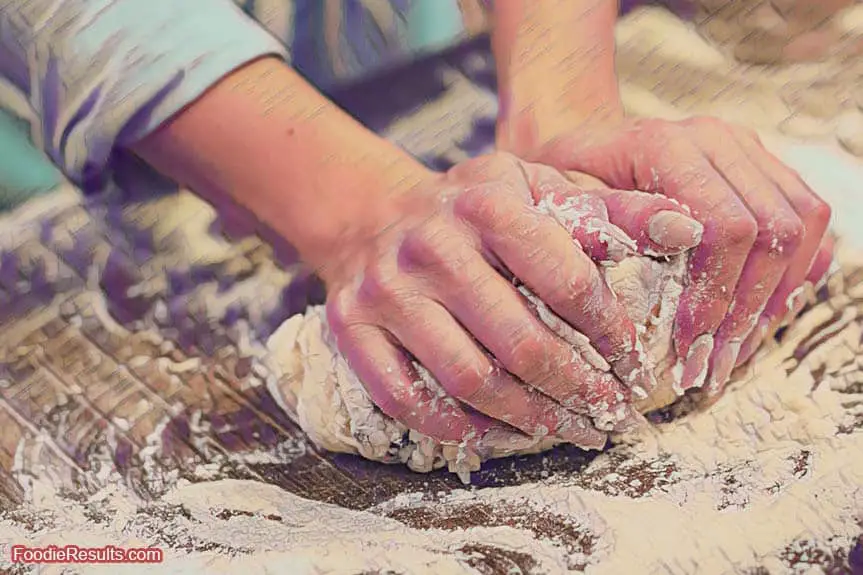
<point>764,229</point>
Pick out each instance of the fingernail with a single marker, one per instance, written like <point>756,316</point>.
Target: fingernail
<point>795,303</point>
<point>587,438</point>
<point>634,371</point>
<point>674,230</point>
<point>723,364</point>
<point>504,439</point>
<point>695,367</point>
<point>580,431</point>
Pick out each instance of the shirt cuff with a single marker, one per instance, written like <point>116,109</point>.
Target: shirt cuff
<point>123,68</point>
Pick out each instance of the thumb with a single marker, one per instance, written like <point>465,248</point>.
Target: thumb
<point>659,225</point>
<point>582,214</point>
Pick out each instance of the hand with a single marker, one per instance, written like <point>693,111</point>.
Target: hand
<point>763,227</point>
<point>435,286</point>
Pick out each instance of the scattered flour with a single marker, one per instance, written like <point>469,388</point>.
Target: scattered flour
<point>775,462</point>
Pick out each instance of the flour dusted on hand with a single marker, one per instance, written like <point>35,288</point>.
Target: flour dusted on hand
<point>318,388</point>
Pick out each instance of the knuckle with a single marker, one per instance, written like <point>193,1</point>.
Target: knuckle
<point>657,131</point>
<point>560,188</point>
<point>474,204</point>
<point>654,137</point>
<point>580,285</point>
<point>820,213</point>
<point>543,172</point>
<point>393,401</point>
<point>485,206</point>
<point>379,285</point>
<point>342,310</point>
<point>783,236</point>
<point>463,379</point>
<point>492,166</point>
<point>446,258</point>
<point>741,232</point>
<point>499,165</point>
<point>652,124</point>
<point>577,283</point>
<point>526,354</point>
<point>745,133</point>
<point>705,122</point>
<point>425,248</point>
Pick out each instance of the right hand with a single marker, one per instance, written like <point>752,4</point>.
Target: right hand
<point>435,286</point>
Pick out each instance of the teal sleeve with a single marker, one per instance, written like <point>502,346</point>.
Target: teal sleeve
<point>103,73</point>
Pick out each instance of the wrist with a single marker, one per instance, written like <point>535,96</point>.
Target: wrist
<point>307,171</point>
<point>338,237</point>
<point>526,121</point>
<point>555,67</point>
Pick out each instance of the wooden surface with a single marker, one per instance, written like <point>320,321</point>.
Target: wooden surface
<point>80,397</point>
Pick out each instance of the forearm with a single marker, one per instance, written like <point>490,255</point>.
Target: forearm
<point>306,169</point>
<point>103,73</point>
<point>555,66</point>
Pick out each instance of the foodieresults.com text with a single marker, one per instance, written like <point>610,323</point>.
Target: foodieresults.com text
<point>58,554</point>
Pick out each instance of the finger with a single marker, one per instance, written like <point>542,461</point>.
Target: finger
<point>716,265</point>
<point>583,215</point>
<point>429,333</point>
<point>560,363</point>
<point>815,215</point>
<point>584,181</point>
<point>795,302</point>
<point>779,235</point>
<point>592,375</point>
<point>659,225</point>
<point>542,255</point>
<point>656,156</point>
<point>466,373</point>
<point>395,386</point>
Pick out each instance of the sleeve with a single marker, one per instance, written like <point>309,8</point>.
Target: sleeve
<point>106,73</point>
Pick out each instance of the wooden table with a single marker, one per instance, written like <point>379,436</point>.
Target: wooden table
<point>78,394</point>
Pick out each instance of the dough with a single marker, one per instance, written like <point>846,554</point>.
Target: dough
<point>317,387</point>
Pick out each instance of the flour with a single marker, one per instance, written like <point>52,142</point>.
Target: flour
<point>672,69</point>
<point>771,471</point>
<point>316,385</point>
<point>772,467</point>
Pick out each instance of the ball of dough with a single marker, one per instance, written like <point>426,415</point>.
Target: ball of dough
<point>317,387</point>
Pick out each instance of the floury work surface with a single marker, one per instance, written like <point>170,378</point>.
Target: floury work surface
<point>165,434</point>
<point>143,415</point>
